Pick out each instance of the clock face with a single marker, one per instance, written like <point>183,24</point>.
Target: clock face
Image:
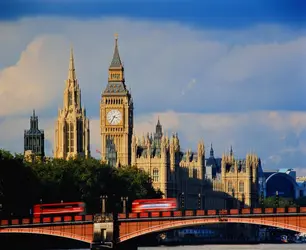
<point>115,76</point>
<point>114,117</point>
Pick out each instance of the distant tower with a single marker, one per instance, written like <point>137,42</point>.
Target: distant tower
<point>211,153</point>
<point>158,133</point>
<point>34,138</point>
<point>72,125</point>
<point>116,115</point>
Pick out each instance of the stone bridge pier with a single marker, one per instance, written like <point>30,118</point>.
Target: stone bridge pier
<point>106,233</point>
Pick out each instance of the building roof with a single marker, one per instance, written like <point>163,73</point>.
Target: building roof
<point>116,62</point>
<point>285,170</point>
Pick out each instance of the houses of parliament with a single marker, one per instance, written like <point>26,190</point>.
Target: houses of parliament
<point>175,173</point>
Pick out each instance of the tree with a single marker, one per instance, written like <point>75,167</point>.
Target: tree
<point>18,183</point>
<point>282,202</point>
<point>25,183</point>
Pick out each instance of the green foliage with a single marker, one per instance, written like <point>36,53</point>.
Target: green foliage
<point>282,202</point>
<point>24,184</point>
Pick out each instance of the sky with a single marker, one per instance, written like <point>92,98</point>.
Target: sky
<point>226,72</point>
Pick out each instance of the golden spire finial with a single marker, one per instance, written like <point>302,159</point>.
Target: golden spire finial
<point>71,71</point>
<point>116,36</point>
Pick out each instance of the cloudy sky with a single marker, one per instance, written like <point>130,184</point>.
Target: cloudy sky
<point>227,72</point>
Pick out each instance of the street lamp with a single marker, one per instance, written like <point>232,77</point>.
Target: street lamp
<point>124,200</point>
<point>262,199</point>
<point>41,209</point>
<point>182,200</point>
<point>276,199</point>
<point>234,204</point>
<point>103,198</point>
<point>199,201</point>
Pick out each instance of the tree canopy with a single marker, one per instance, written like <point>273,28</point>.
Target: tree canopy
<point>284,202</point>
<point>23,184</point>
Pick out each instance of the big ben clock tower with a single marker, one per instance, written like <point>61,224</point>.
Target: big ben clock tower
<point>116,115</point>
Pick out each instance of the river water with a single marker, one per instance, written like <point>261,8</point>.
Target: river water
<point>230,247</point>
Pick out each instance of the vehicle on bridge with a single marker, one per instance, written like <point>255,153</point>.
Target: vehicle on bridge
<point>154,205</point>
<point>63,208</point>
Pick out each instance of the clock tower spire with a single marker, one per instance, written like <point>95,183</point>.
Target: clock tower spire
<point>116,115</point>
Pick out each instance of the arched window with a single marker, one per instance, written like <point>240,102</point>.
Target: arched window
<point>241,187</point>
<point>155,175</point>
<point>229,186</point>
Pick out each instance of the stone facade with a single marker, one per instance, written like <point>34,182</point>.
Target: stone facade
<point>175,173</point>
<point>72,126</point>
<point>239,179</point>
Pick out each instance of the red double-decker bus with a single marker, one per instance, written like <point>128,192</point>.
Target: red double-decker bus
<point>154,205</point>
<point>63,208</point>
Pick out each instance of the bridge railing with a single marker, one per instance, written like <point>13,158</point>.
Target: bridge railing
<point>42,220</point>
<point>213,212</point>
<point>185,213</point>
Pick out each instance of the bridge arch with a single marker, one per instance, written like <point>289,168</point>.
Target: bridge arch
<point>43,231</point>
<point>202,221</point>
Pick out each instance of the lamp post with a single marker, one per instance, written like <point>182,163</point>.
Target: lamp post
<point>182,200</point>
<point>276,199</point>
<point>262,199</point>
<point>124,200</point>
<point>233,199</point>
<point>103,198</point>
<point>41,209</point>
<point>199,201</point>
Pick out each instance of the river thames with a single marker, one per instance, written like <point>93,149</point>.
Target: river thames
<point>228,247</point>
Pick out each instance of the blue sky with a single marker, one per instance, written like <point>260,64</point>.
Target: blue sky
<point>208,13</point>
<point>228,72</point>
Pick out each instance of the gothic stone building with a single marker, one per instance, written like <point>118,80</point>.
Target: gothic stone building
<point>239,178</point>
<point>72,125</point>
<point>34,139</point>
<point>173,172</point>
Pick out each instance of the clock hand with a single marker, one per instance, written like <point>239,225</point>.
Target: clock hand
<point>112,119</point>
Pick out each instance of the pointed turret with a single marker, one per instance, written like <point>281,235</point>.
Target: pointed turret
<point>211,151</point>
<point>71,71</point>
<point>34,122</point>
<point>158,130</point>
<point>116,61</point>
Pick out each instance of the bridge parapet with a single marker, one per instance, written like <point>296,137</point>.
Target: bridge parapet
<point>208,213</point>
<point>77,219</point>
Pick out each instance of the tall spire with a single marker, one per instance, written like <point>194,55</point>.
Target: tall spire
<point>158,123</point>
<point>34,121</point>
<point>211,150</point>
<point>116,62</point>
<point>71,72</point>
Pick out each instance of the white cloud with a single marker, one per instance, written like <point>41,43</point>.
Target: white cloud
<point>235,73</point>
